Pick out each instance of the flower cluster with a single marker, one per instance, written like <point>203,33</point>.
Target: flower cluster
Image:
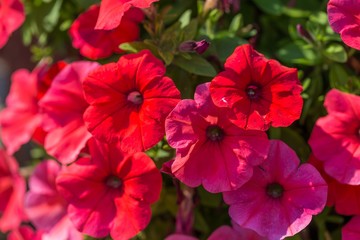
<point>147,93</point>
<point>335,142</point>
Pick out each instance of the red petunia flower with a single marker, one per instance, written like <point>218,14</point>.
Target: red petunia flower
<point>112,12</point>
<point>344,197</point>
<point>281,197</point>
<point>45,207</point>
<point>63,106</point>
<point>351,230</point>
<point>129,101</point>
<point>210,150</point>
<point>12,16</point>
<point>12,191</point>
<point>335,138</point>
<point>259,91</point>
<point>20,120</point>
<point>344,18</point>
<point>95,44</point>
<point>24,233</point>
<point>110,192</point>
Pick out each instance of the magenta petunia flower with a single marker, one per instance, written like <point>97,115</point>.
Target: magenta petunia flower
<point>112,12</point>
<point>351,231</point>
<point>12,191</point>
<point>63,106</point>
<point>12,16</point>
<point>110,192</point>
<point>281,197</point>
<point>24,233</point>
<point>95,44</point>
<point>129,101</point>
<point>335,138</point>
<point>210,150</point>
<point>45,207</point>
<point>344,18</point>
<point>179,236</point>
<point>344,197</point>
<point>260,92</point>
<point>21,120</point>
<point>222,232</point>
<point>225,232</point>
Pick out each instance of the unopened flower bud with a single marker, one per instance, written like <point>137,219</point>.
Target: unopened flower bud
<point>192,46</point>
<point>304,33</point>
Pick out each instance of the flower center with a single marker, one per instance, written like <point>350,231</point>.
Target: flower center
<point>253,91</point>
<point>135,97</point>
<point>214,133</point>
<point>113,182</point>
<point>274,190</point>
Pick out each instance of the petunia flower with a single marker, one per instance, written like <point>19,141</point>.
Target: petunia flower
<point>211,150</point>
<point>344,197</point>
<point>24,233</point>
<point>335,138</point>
<point>63,106</point>
<point>351,230</point>
<point>95,44</point>
<point>21,120</point>
<point>45,207</point>
<point>12,16</point>
<point>222,232</point>
<point>110,192</point>
<point>129,101</point>
<point>12,191</point>
<point>344,18</point>
<point>112,12</point>
<point>281,197</point>
<point>260,92</point>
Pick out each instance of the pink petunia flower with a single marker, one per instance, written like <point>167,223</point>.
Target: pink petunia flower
<point>351,231</point>
<point>12,16</point>
<point>211,150</point>
<point>63,106</point>
<point>24,233</point>
<point>222,232</point>
<point>110,192</point>
<point>112,12</point>
<point>179,236</point>
<point>21,120</point>
<point>95,44</point>
<point>260,92</point>
<point>281,197</point>
<point>45,207</point>
<point>344,197</point>
<point>12,190</point>
<point>129,101</point>
<point>344,18</point>
<point>335,138</point>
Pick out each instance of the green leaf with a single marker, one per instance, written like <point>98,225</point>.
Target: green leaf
<point>336,52</point>
<point>185,18</point>
<point>134,47</point>
<point>298,53</point>
<point>167,56</point>
<point>296,13</point>
<point>52,18</point>
<point>338,76</point>
<point>236,23</point>
<point>226,45</point>
<point>273,7</point>
<point>190,30</point>
<point>196,65</point>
